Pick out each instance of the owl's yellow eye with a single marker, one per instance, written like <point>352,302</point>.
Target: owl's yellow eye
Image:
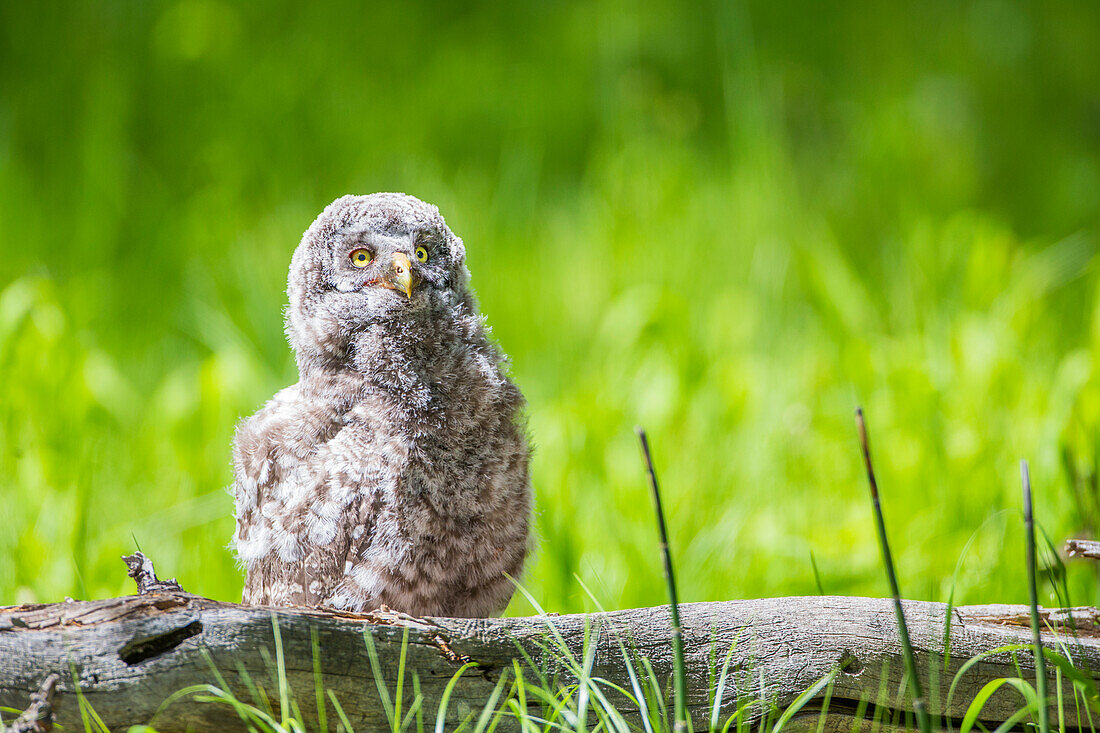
<point>360,258</point>
<point>421,254</point>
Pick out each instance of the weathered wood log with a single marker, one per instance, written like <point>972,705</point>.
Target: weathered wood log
<point>128,655</point>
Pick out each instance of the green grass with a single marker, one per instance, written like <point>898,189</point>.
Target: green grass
<point>574,700</point>
<point>731,225</point>
<point>568,696</point>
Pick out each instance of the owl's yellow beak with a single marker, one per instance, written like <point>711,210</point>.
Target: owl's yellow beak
<point>401,277</point>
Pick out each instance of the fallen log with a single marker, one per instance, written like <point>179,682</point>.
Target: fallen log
<point>128,655</point>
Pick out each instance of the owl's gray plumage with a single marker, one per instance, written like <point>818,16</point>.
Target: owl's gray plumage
<point>395,471</point>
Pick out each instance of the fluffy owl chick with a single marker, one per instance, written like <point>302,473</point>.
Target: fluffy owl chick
<point>395,471</point>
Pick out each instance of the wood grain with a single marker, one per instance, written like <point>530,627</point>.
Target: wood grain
<point>130,654</point>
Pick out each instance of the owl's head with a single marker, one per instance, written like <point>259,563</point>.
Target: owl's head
<point>377,259</point>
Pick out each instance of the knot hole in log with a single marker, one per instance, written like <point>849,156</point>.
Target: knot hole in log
<point>139,649</point>
<point>850,664</point>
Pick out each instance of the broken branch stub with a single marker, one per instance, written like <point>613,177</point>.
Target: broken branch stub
<point>39,716</point>
<point>1083,548</point>
<point>140,568</point>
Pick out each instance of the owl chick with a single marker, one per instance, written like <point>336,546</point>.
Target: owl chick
<point>395,471</point>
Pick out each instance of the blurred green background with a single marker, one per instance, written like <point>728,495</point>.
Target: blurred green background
<point>729,222</point>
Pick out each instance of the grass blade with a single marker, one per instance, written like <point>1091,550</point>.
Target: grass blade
<point>808,694</point>
<point>396,723</point>
<point>919,705</point>
<point>340,712</point>
<point>720,687</point>
<point>979,701</point>
<point>284,688</point>
<point>679,670</point>
<point>1033,600</point>
<point>445,698</point>
<point>318,680</point>
<point>379,680</point>
<point>419,704</point>
<point>817,575</point>
<point>490,706</point>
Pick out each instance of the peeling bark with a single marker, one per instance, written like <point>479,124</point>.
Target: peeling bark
<point>130,654</point>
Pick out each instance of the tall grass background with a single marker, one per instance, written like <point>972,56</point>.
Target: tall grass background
<point>730,222</point>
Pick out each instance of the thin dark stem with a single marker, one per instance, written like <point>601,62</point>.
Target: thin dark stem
<point>919,705</point>
<point>679,670</point>
<point>1033,597</point>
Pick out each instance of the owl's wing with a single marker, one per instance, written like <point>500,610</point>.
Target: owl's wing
<point>340,500</point>
<point>257,474</point>
<point>309,491</point>
<point>362,468</point>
